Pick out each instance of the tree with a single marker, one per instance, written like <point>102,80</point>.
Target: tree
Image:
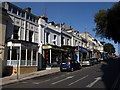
<point>101,21</point>
<point>109,48</point>
<point>108,23</point>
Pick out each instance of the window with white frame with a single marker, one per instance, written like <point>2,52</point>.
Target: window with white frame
<point>8,56</point>
<point>34,57</point>
<point>14,54</point>
<point>47,37</point>
<point>79,43</point>
<point>62,40</point>
<point>76,42</point>
<point>68,41</point>
<point>15,32</point>
<point>23,57</point>
<point>55,39</point>
<point>30,36</point>
<point>28,57</point>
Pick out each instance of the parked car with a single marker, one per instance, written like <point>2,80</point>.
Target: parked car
<point>69,65</point>
<point>94,60</point>
<point>87,62</point>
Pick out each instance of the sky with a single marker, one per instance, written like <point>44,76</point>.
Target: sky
<point>79,15</point>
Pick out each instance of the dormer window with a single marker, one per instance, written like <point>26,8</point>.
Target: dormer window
<point>27,16</point>
<point>33,19</point>
<point>14,10</point>
<point>9,8</point>
<point>30,18</point>
<point>56,26</point>
<point>19,12</point>
<point>23,14</point>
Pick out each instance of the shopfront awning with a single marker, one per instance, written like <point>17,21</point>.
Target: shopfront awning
<point>52,47</point>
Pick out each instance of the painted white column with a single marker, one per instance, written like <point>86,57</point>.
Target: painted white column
<point>26,58</point>
<point>18,62</point>
<point>72,43</point>
<point>19,34</point>
<point>10,53</point>
<point>33,37</point>
<point>25,33</point>
<point>45,38</point>
<point>37,58</point>
<point>39,34</point>
<point>32,57</point>
<point>19,55</point>
<point>50,56</point>
<point>78,54</point>
<point>43,35</point>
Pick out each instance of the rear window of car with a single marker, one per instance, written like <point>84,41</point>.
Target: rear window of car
<point>85,59</point>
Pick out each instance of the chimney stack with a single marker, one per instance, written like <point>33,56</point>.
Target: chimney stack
<point>28,9</point>
<point>45,18</point>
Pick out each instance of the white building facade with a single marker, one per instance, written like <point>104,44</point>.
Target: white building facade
<point>22,38</point>
<point>50,43</point>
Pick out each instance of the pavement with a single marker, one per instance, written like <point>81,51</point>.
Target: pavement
<point>13,78</point>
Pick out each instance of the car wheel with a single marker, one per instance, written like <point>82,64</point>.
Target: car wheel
<point>61,70</point>
<point>72,69</point>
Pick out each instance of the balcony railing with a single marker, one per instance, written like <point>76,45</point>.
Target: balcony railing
<point>22,63</point>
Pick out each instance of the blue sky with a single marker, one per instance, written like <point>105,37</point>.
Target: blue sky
<point>79,15</point>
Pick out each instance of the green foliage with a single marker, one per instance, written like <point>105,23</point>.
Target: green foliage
<point>108,23</point>
<point>101,21</point>
<point>109,48</point>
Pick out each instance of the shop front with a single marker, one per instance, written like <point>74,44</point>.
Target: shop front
<point>52,56</point>
<point>69,52</point>
<point>82,54</point>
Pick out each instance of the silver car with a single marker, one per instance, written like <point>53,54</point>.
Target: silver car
<point>86,62</point>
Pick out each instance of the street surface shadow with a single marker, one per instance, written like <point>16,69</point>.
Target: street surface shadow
<point>111,70</point>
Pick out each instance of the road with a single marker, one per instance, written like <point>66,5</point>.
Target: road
<point>103,75</point>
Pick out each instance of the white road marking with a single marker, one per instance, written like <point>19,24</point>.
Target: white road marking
<point>78,80</point>
<point>45,81</point>
<point>41,81</point>
<point>62,80</point>
<point>58,76</point>
<point>24,82</point>
<point>67,73</point>
<point>35,82</point>
<point>62,75</point>
<point>94,82</point>
<point>55,78</point>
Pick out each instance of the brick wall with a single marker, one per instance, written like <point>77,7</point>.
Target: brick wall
<point>23,70</point>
